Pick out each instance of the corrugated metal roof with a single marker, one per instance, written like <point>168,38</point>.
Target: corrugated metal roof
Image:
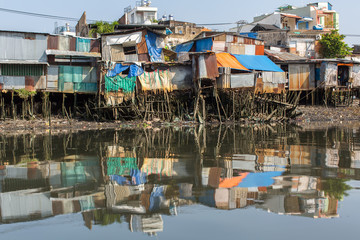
<point>228,60</point>
<point>284,56</point>
<point>22,62</point>
<point>72,53</point>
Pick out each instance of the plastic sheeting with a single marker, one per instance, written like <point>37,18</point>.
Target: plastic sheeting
<point>228,60</point>
<point>118,83</point>
<point>329,72</point>
<point>121,39</point>
<point>185,47</point>
<point>260,63</point>
<point>301,77</point>
<point>153,48</point>
<point>264,179</point>
<point>134,71</point>
<point>19,46</point>
<point>119,68</point>
<point>204,45</point>
<point>158,79</point>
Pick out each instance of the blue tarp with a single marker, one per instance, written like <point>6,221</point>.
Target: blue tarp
<point>250,34</point>
<point>119,68</point>
<point>135,70</point>
<point>264,179</point>
<point>154,52</point>
<point>204,45</point>
<point>186,47</point>
<point>119,179</point>
<point>257,62</point>
<point>156,197</point>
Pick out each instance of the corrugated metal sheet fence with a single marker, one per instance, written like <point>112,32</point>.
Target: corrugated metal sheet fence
<point>22,70</point>
<point>77,79</point>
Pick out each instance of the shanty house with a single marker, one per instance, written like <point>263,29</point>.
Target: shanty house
<point>300,73</point>
<point>143,45</point>
<point>73,64</point>
<point>223,42</point>
<point>23,60</point>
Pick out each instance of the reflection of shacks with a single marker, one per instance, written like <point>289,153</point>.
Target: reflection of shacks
<point>300,72</point>
<point>332,158</point>
<point>77,204</point>
<point>24,205</point>
<point>81,170</point>
<point>355,159</point>
<point>165,167</point>
<point>235,197</point>
<point>300,155</point>
<point>304,184</point>
<point>151,225</point>
<point>271,159</point>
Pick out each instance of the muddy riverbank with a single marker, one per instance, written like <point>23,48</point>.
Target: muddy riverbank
<point>314,116</point>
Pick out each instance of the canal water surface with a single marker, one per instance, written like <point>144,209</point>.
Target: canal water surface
<point>267,182</point>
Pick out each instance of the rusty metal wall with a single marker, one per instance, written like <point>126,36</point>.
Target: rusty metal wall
<point>95,46</point>
<point>53,42</point>
<point>223,81</point>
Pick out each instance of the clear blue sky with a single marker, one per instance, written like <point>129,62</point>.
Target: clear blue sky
<point>198,11</point>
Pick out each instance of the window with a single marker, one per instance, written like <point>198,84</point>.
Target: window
<point>130,50</point>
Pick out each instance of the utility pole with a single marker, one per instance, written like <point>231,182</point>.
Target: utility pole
<point>240,24</point>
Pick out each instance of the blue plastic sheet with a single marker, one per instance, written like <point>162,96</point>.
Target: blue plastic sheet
<point>186,47</point>
<point>257,62</point>
<point>119,68</point>
<point>135,71</point>
<point>204,45</point>
<point>154,52</point>
<point>119,179</point>
<point>263,179</point>
<point>156,197</point>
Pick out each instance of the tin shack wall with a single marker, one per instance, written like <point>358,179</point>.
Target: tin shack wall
<point>23,46</point>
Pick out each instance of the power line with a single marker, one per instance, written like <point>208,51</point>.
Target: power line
<point>42,15</point>
<point>213,24</point>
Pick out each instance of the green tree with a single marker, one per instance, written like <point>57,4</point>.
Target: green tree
<point>333,45</point>
<point>101,27</point>
<point>336,188</point>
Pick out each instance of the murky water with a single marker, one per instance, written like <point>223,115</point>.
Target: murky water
<point>277,182</point>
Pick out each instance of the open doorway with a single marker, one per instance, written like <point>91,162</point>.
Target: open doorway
<point>343,75</point>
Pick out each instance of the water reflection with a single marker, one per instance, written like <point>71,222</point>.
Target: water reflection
<point>137,176</point>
